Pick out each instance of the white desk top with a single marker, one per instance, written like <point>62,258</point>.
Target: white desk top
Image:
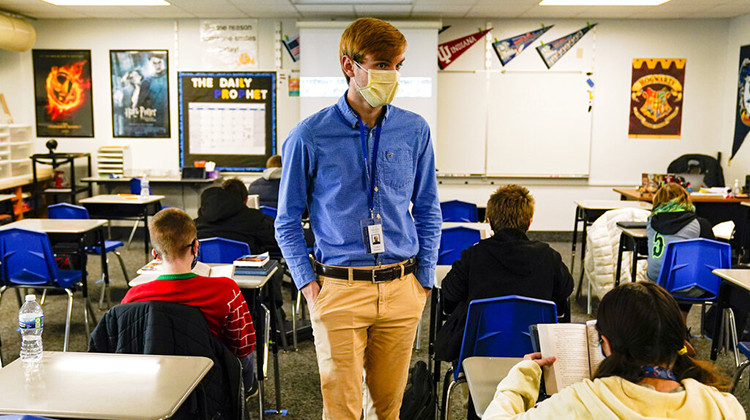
<point>735,276</point>
<point>217,270</point>
<point>121,199</point>
<point>611,204</point>
<point>483,374</point>
<point>6,197</point>
<point>638,233</point>
<point>102,385</point>
<point>745,203</point>
<point>484,228</point>
<point>57,225</point>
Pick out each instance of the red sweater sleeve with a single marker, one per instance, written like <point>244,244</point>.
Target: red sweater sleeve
<point>238,332</point>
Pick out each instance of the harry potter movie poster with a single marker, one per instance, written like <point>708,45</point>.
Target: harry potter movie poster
<point>656,97</point>
<point>62,90</point>
<point>140,93</point>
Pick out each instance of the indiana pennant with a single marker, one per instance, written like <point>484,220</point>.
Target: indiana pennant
<point>742,115</point>
<point>509,48</point>
<point>555,50</point>
<point>451,50</point>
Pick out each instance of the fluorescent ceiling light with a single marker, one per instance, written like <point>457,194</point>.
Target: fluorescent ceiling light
<point>107,2</point>
<point>602,2</point>
<point>352,2</point>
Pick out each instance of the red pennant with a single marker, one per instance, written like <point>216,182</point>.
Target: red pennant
<point>449,51</point>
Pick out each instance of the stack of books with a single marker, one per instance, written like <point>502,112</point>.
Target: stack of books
<point>254,265</point>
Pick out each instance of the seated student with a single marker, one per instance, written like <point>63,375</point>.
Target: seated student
<point>647,372</point>
<point>224,213</point>
<point>672,219</point>
<point>508,263</point>
<point>267,186</point>
<point>174,238</point>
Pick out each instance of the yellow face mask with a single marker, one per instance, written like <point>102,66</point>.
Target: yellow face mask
<point>381,86</point>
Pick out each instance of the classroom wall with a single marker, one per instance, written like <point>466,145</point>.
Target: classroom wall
<point>616,160</point>
<point>711,47</point>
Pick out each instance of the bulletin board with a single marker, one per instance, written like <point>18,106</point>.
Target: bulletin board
<point>228,118</point>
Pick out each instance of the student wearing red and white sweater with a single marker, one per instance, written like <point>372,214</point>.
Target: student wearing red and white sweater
<point>173,235</point>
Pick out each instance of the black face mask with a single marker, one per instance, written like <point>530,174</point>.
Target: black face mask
<point>195,255</point>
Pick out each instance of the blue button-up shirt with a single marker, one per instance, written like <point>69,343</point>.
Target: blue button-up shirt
<point>325,171</point>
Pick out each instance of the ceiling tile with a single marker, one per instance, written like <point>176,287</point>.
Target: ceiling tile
<point>443,10</point>
<point>325,11</point>
<point>383,11</point>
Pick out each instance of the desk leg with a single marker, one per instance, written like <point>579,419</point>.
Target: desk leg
<point>721,304</point>
<point>275,316</point>
<point>436,311</point>
<point>105,270</point>
<point>620,250</point>
<point>575,239</point>
<point>146,236</point>
<point>634,260</point>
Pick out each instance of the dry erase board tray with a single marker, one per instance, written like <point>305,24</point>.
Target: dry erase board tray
<point>514,176</point>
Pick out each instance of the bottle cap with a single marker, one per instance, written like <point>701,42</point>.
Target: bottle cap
<point>30,298</point>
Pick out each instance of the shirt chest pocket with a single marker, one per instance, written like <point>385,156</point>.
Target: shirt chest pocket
<point>397,169</point>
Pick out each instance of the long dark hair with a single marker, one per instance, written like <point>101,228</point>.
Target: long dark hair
<point>644,327</point>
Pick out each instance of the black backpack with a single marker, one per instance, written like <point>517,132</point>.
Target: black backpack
<point>419,395</point>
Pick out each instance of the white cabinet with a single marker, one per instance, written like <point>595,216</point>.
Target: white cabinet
<point>15,149</point>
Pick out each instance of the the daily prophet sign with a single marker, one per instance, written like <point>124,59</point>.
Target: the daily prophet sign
<point>228,118</point>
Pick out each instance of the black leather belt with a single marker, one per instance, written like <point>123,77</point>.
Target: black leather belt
<point>375,275</point>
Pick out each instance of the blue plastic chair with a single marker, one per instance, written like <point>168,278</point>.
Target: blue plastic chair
<point>688,266</point>
<point>459,211</point>
<point>71,211</point>
<point>454,240</point>
<point>499,327</point>
<point>27,261</point>
<point>271,211</point>
<point>221,251</point>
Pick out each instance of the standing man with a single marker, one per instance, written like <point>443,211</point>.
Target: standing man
<point>365,170</point>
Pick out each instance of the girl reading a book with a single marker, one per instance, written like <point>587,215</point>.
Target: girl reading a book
<point>648,372</point>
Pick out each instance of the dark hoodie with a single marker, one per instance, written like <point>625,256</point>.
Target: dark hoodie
<point>506,264</point>
<point>224,215</point>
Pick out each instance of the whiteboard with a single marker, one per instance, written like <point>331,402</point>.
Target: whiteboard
<point>520,124</point>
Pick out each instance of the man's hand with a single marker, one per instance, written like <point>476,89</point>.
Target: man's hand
<point>311,291</point>
<point>537,357</point>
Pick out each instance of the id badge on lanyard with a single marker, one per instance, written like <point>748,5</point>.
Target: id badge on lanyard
<point>372,227</point>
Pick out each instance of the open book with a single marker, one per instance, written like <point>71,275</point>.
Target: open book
<point>201,269</point>
<point>577,349</point>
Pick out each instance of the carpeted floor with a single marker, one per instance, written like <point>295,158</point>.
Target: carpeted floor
<point>300,393</point>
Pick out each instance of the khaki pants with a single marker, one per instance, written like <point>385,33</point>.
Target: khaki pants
<point>360,324</point>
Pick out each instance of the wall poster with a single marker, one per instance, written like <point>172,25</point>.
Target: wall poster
<point>228,118</point>
<point>62,92</point>
<point>656,97</point>
<point>140,93</point>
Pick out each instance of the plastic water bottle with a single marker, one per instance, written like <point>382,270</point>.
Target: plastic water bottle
<point>31,323</point>
<point>144,186</point>
<point>736,190</point>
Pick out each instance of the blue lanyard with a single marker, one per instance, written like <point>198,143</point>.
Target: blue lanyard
<point>376,143</point>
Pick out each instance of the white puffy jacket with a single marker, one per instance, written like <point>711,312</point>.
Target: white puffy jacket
<point>602,244</point>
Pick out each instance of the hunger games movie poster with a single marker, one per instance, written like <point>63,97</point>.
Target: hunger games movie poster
<point>62,90</point>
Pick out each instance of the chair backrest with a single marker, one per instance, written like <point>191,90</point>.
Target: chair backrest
<point>709,166</point>
<point>27,258</point>
<point>221,251</point>
<point>689,264</point>
<point>455,239</point>
<point>499,326</point>
<point>135,186</point>
<point>67,211</point>
<point>271,211</point>
<point>459,211</point>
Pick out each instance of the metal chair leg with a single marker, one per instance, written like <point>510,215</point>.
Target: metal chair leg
<point>68,315</point>
<point>294,324</point>
<point>122,265</point>
<point>102,293</point>
<point>452,386</point>
<point>737,375</point>
<point>732,325</point>
<point>417,345</point>
<point>44,296</point>
<point>132,234</point>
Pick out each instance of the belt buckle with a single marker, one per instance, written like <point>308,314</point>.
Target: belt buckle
<point>384,271</point>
